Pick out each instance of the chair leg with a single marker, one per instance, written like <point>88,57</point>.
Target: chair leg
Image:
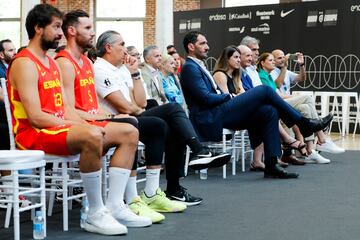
<point>8,213</point>
<point>224,150</point>
<point>65,195</point>
<point>233,154</point>
<point>243,151</point>
<point>15,178</point>
<point>187,159</point>
<point>103,178</point>
<point>52,193</point>
<point>43,196</point>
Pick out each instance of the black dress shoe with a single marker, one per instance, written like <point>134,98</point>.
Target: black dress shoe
<point>327,120</point>
<point>278,172</point>
<point>309,126</point>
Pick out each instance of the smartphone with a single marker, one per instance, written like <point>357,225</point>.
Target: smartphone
<point>293,57</point>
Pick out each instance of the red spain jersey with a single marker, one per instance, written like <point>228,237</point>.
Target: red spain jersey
<point>51,101</point>
<point>84,86</point>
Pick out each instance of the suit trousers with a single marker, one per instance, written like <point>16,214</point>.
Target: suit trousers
<point>259,110</point>
<point>180,131</point>
<point>306,106</point>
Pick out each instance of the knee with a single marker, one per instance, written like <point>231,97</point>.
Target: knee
<point>132,134</point>
<point>174,107</point>
<point>269,112</point>
<point>93,139</point>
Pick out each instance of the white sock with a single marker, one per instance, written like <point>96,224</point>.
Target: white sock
<point>92,187</point>
<point>152,181</point>
<point>131,190</point>
<point>118,178</point>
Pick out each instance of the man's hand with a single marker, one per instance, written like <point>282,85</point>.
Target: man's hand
<point>132,64</point>
<point>125,116</point>
<point>300,58</point>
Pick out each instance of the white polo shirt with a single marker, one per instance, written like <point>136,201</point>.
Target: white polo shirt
<point>109,79</point>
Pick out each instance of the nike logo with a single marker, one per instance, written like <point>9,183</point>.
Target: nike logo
<point>242,30</point>
<point>284,14</point>
<point>43,73</point>
<point>180,199</point>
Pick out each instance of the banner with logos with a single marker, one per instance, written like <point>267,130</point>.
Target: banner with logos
<point>327,32</point>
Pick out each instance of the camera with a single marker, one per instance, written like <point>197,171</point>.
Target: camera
<point>293,57</point>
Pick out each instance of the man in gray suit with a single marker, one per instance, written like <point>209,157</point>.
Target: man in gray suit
<point>150,74</point>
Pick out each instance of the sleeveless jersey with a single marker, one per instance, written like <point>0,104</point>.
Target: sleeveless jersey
<point>49,90</point>
<point>85,93</point>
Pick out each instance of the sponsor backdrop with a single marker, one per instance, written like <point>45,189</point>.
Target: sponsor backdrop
<point>327,32</point>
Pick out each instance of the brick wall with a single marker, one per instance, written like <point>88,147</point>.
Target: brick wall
<point>149,23</point>
<point>186,5</point>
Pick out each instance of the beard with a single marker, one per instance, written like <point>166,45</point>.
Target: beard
<point>83,43</point>
<point>201,55</point>
<point>47,44</point>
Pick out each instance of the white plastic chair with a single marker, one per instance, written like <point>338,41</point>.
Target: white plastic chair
<point>15,160</point>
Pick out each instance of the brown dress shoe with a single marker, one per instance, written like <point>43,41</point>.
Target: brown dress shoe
<point>292,160</point>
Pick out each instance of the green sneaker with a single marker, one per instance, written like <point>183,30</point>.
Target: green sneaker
<point>140,208</point>
<point>160,203</point>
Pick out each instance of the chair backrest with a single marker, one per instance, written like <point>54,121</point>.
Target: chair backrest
<point>8,113</point>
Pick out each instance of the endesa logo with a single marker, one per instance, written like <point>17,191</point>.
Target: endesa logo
<point>355,8</point>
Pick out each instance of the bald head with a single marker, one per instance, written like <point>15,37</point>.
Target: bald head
<point>279,58</point>
<point>245,56</point>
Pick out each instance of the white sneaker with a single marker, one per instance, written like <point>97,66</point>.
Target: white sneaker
<point>315,157</point>
<point>329,146</point>
<point>102,222</point>
<point>127,217</point>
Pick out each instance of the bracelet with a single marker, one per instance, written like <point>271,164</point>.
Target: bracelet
<point>137,78</point>
<point>303,64</point>
<point>134,75</point>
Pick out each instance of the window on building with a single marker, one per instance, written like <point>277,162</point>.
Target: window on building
<point>126,17</point>
<point>10,21</point>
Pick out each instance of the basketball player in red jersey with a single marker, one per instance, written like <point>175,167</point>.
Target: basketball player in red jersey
<point>79,88</point>
<point>43,120</point>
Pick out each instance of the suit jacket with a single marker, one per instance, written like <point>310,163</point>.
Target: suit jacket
<point>2,70</point>
<point>203,101</point>
<point>153,85</point>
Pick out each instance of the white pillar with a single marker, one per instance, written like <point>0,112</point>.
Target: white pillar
<point>26,6</point>
<point>164,24</point>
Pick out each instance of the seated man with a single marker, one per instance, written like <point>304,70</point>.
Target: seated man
<point>151,74</point>
<point>305,104</point>
<point>257,110</point>
<point>119,86</point>
<point>44,120</point>
<point>78,78</point>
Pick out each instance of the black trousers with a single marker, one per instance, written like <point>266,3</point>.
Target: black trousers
<point>179,132</point>
<point>152,132</point>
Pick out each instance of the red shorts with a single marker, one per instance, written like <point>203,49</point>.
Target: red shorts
<point>50,140</point>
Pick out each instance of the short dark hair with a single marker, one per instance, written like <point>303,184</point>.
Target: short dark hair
<point>41,15</point>
<point>170,46</point>
<point>2,44</point>
<point>72,18</point>
<point>190,37</point>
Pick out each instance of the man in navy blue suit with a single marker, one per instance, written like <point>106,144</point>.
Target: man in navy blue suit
<point>257,110</point>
